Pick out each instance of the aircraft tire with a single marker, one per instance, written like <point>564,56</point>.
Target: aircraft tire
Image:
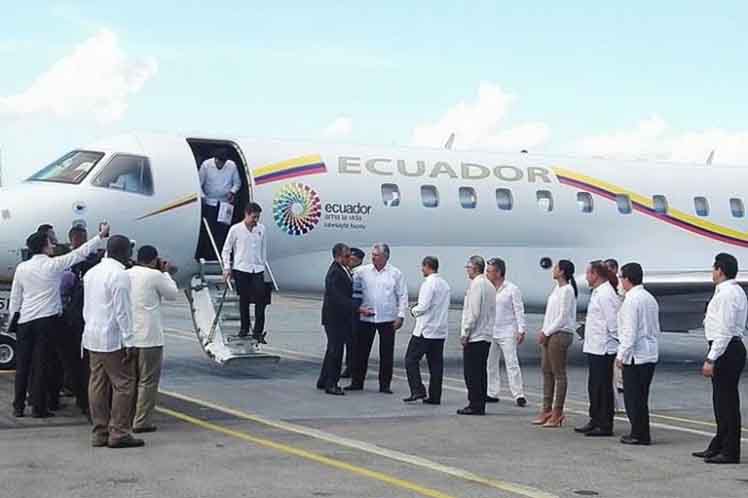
<point>7,352</point>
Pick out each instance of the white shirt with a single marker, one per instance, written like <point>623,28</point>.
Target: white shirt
<point>148,287</point>
<point>36,283</point>
<point>218,183</point>
<point>560,311</point>
<point>249,247</point>
<point>601,325</point>
<point>479,310</point>
<point>107,309</point>
<point>638,327</point>
<point>510,311</point>
<point>725,317</point>
<point>383,291</point>
<point>432,310</point>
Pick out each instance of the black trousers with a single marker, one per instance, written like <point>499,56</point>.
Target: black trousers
<point>252,289</point>
<point>474,365</point>
<point>219,231</point>
<point>76,369</point>
<point>33,350</point>
<point>363,339</point>
<point>433,349</point>
<point>636,382</point>
<point>600,390</point>
<point>348,347</point>
<point>333,362</point>
<point>726,399</point>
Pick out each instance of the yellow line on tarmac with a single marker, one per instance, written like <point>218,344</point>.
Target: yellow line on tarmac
<point>373,449</point>
<point>308,455</point>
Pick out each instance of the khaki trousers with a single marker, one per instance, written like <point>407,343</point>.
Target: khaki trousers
<point>554,370</point>
<point>148,374</point>
<point>111,391</point>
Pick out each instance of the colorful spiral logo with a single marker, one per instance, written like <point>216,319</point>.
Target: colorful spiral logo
<point>296,209</point>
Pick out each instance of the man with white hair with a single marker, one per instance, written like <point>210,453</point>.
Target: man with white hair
<point>384,291</point>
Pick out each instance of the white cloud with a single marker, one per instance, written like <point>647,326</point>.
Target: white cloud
<point>94,81</point>
<point>341,127</point>
<point>652,139</point>
<point>476,124</point>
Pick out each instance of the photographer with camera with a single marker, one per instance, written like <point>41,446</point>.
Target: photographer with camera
<point>151,282</point>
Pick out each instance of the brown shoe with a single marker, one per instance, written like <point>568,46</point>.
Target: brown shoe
<point>127,442</point>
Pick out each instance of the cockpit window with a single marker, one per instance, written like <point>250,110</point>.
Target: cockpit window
<point>127,173</point>
<point>70,168</point>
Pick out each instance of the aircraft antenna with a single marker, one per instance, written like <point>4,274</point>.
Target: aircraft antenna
<point>450,141</point>
<point>710,158</point>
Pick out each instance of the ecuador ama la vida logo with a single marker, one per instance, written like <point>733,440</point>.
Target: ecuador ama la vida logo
<point>297,209</point>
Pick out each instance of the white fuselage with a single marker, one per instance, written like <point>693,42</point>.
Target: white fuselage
<point>324,194</point>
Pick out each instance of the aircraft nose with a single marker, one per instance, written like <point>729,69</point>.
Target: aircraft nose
<point>10,248</point>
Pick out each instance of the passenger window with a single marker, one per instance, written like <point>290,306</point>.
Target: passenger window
<point>468,197</point>
<point>127,173</point>
<point>660,204</point>
<point>429,196</point>
<point>701,206</point>
<point>545,200</point>
<point>584,200</point>
<point>624,203</point>
<point>504,199</point>
<point>737,207</point>
<point>390,195</point>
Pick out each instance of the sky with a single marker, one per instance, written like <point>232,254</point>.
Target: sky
<point>657,80</point>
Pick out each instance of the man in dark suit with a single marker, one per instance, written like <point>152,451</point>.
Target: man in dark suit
<point>338,308</point>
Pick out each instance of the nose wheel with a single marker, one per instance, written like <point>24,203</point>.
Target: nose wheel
<point>7,352</point>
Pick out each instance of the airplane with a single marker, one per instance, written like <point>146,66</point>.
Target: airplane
<point>531,210</point>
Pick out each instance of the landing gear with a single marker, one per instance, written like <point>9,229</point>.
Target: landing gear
<point>7,352</point>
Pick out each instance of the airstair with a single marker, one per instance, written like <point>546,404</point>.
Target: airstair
<point>214,306</point>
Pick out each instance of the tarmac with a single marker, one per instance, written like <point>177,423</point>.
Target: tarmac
<point>264,430</point>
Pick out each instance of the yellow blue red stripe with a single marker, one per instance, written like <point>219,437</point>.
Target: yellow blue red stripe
<point>290,168</point>
<point>182,201</point>
<point>645,205</point>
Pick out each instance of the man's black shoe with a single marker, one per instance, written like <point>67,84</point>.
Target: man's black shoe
<point>385,390</point>
<point>143,430</point>
<point>260,338</point>
<point>705,454</point>
<point>335,391</point>
<point>491,399</point>
<point>720,458</point>
<point>320,385</point>
<point>589,426</point>
<point>242,334</point>
<point>633,440</point>
<point>345,374</point>
<point>414,397</point>
<point>351,387</point>
<point>470,411</point>
<point>598,432</point>
<point>36,414</point>
<point>521,401</point>
<point>429,401</point>
<point>18,412</point>
<point>127,442</point>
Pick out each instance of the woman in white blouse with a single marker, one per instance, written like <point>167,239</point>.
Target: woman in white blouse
<point>555,338</point>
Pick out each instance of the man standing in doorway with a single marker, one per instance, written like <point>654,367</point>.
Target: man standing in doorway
<point>247,243</point>
<point>220,182</point>
<point>385,292</point>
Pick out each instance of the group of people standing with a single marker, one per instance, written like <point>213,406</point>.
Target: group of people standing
<point>620,339</point>
<point>97,313</point>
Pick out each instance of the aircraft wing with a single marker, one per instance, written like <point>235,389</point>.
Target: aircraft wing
<point>683,296</point>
